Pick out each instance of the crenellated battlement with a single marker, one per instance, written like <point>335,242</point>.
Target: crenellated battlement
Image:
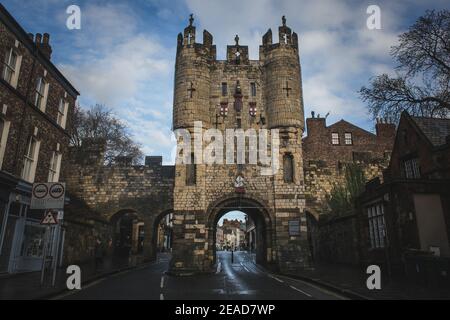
<point>237,54</point>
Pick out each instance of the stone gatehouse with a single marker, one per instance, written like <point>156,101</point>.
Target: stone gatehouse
<point>236,93</point>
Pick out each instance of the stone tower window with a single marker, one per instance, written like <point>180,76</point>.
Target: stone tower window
<point>191,172</point>
<point>348,138</point>
<point>335,138</point>
<point>253,89</point>
<point>191,90</point>
<point>224,89</point>
<point>288,168</point>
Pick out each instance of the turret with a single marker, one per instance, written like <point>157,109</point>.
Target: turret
<point>192,78</point>
<point>283,94</point>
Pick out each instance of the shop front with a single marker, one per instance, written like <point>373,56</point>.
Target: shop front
<point>22,237</point>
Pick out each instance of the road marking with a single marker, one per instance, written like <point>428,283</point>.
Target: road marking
<point>219,265</point>
<point>162,282</point>
<point>275,278</point>
<point>296,289</point>
<point>244,267</point>
<point>161,297</point>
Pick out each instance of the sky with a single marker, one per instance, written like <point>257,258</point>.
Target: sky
<point>124,54</point>
<point>232,215</point>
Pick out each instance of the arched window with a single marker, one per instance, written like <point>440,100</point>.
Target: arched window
<point>191,172</point>
<point>288,168</point>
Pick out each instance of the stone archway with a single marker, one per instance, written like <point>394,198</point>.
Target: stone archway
<point>256,211</point>
<point>127,233</point>
<point>156,232</point>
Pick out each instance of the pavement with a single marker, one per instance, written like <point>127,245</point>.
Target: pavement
<point>27,286</point>
<point>240,280</point>
<point>351,282</point>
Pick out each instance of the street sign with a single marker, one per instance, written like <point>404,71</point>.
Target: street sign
<point>49,218</point>
<point>48,195</point>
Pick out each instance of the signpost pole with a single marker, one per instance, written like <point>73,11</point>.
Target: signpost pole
<point>49,196</point>
<point>44,254</point>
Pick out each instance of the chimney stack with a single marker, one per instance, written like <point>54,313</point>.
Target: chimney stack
<point>37,39</point>
<point>45,47</point>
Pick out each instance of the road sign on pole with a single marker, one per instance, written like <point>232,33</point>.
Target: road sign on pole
<point>48,195</point>
<point>50,218</point>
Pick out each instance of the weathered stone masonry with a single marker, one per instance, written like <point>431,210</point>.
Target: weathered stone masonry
<point>100,193</point>
<point>272,85</point>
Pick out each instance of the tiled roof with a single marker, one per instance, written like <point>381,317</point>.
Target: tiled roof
<point>435,129</point>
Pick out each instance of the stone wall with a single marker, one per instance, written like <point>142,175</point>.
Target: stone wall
<point>101,193</point>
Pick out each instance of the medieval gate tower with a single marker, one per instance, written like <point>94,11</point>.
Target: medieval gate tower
<point>239,93</point>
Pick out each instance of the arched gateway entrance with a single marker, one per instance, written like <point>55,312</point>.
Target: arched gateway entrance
<point>261,233</point>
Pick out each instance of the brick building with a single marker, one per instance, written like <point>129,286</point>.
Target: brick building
<point>36,103</point>
<point>405,221</point>
<point>326,150</point>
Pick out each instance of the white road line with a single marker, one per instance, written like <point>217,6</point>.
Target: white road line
<point>162,282</point>
<point>219,265</point>
<point>296,289</point>
<point>279,280</point>
<point>161,297</point>
<point>244,267</point>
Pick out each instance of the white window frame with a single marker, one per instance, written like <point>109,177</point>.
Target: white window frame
<point>348,138</point>
<point>61,118</point>
<point>3,138</point>
<point>55,167</point>
<point>41,93</point>
<point>30,160</point>
<point>334,138</point>
<point>377,225</point>
<point>11,70</point>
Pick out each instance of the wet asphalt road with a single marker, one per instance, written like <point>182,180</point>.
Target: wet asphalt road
<point>240,280</point>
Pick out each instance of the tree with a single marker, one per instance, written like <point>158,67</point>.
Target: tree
<point>99,122</point>
<point>422,82</point>
<point>343,196</point>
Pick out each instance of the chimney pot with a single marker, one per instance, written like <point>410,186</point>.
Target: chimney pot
<point>46,38</point>
<point>38,38</point>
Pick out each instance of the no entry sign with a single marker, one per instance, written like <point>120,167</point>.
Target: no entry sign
<point>48,195</point>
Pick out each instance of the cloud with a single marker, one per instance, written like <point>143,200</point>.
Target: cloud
<point>124,54</point>
<point>120,73</point>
